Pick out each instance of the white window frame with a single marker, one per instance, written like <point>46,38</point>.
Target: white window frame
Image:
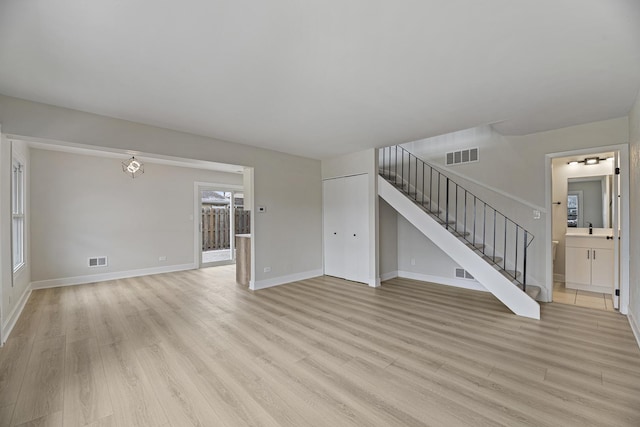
<point>18,214</point>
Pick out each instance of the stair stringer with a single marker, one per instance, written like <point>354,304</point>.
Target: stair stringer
<point>508,293</point>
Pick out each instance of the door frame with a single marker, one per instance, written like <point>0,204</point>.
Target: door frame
<point>623,155</point>
<point>197,234</point>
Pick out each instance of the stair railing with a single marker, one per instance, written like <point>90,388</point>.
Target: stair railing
<point>500,240</point>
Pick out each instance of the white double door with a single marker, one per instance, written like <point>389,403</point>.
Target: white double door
<point>346,227</point>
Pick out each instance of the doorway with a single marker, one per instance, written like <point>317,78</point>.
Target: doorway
<point>588,205</point>
<point>221,216</point>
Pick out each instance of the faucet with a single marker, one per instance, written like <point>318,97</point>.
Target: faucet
<point>590,228</point>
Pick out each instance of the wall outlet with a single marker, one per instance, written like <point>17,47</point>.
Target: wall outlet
<point>162,258</point>
<point>413,261</point>
<point>536,214</point>
<point>267,269</point>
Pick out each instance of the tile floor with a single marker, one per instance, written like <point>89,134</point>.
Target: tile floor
<point>597,300</point>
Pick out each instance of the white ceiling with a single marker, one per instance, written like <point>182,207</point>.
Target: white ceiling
<point>320,78</point>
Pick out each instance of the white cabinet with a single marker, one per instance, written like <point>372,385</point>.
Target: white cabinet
<point>602,268</point>
<point>589,263</point>
<point>346,227</point>
<point>578,266</point>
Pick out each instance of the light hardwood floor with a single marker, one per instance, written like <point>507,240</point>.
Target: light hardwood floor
<point>193,348</point>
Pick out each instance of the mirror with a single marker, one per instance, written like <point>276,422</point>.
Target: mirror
<point>589,201</point>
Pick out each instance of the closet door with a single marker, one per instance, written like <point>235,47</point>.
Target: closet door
<point>356,221</point>
<point>346,227</point>
<point>333,227</point>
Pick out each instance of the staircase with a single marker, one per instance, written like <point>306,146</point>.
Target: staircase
<point>482,240</point>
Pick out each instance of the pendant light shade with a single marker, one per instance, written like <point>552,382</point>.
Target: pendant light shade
<point>133,167</point>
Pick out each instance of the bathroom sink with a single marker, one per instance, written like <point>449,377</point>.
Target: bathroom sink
<point>585,232</point>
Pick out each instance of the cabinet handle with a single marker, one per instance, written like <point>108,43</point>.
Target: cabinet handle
<point>594,254</point>
<point>354,235</point>
<point>588,253</point>
<point>335,233</point>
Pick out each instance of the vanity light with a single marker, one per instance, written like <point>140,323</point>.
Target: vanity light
<point>591,161</point>
<point>133,167</point>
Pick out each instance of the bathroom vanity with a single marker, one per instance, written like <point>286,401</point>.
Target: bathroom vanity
<point>589,261</point>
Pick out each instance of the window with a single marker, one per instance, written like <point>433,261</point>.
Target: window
<point>17,209</point>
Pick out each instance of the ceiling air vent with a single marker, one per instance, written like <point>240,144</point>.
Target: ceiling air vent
<point>99,261</point>
<point>468,155</point>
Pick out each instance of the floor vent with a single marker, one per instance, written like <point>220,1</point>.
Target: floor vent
<point>468,155</point>
<point>99,261</point>
<point>461,273</point>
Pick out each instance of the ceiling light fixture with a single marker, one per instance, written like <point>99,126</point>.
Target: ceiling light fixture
<point>591,161</point>
<point>133,167</point>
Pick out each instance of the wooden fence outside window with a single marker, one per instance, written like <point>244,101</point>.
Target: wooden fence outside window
<point>216,222</point>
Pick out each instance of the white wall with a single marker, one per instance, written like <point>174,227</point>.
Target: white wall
<point>634,235</point>
<point>84,206</point>
<point>419,258</point>
<point>350,164</point>
<point>287,237</point>
<point>388,232</point>
<point>6,273</point>
<point>511,174</point>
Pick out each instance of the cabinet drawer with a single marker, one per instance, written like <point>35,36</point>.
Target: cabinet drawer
<point>600,242</point>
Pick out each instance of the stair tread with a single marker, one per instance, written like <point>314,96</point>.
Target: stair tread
<point>476,246</point>
<point>510,274</point>
<point>461,233</point>
<point>426,207</point>
<point>443,221</point>
<point>532,290</point>
<point>492,259</point>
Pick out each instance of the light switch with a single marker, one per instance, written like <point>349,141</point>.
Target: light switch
<point>536,214</point>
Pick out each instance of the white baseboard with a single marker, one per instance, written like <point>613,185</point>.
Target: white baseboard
<point>81,280</point>
<point>634,327</point>
<point>388,276</point>
<point>15,314</point>
<point>449,281</point>
<point>268,283</point>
